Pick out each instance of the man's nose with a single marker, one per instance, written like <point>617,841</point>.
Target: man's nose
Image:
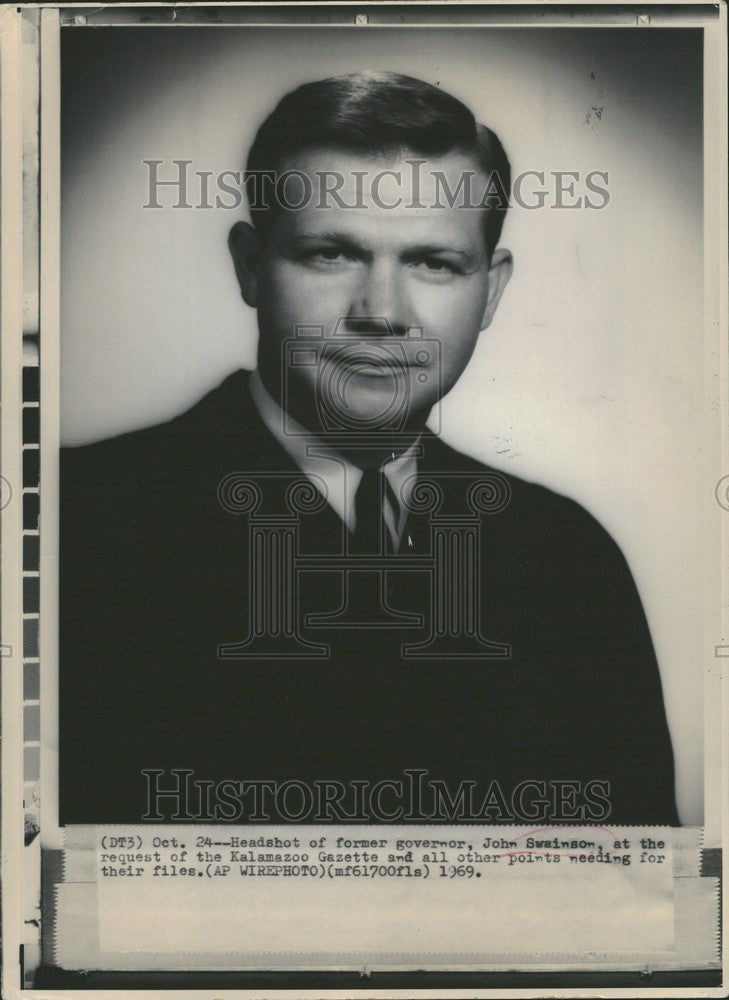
<point>379,304</point>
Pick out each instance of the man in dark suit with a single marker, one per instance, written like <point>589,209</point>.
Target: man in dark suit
<point>297,585</point>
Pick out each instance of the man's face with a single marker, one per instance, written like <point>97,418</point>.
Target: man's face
<point>368,276</point>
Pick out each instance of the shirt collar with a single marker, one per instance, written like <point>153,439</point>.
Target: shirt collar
<point>319,462</point>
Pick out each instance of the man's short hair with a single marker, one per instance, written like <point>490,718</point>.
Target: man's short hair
<point>376,114</point>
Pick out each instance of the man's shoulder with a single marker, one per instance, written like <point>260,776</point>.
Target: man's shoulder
<point>442,461</point>
<point>524,511</point>
<point>158,474</point>
<point>222,418</point>
<point>212,418</point>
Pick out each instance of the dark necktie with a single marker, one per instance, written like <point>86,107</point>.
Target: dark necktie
<point>369,522</point>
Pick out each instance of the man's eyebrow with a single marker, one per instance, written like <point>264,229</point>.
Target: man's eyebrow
<point>426,249</point>
<point>414,250</point>
<point>341,239</point>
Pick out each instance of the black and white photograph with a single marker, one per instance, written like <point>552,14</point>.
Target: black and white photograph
<point>373,495</point>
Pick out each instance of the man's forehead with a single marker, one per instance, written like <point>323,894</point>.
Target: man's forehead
<point>359,172</point>
<point>451,229</point>
<point>407,194</point>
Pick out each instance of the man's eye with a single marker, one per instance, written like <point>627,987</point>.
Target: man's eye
<point>329,254</point>
<point>326,256</point>
<point>436,266</point>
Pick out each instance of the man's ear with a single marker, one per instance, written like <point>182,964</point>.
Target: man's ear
<point>243,246</point>
<point>502,264</point>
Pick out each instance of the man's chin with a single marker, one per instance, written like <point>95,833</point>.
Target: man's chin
<point>370,430</point>
<point>370,399</point>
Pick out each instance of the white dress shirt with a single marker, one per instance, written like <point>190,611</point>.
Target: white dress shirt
<point>319,461</point>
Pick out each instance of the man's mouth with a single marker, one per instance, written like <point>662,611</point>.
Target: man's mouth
<point>373,363</point>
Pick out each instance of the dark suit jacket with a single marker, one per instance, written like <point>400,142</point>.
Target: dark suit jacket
<point>155,577</point>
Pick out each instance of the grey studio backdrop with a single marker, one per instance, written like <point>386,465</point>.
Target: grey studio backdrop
<point>591,379</point>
